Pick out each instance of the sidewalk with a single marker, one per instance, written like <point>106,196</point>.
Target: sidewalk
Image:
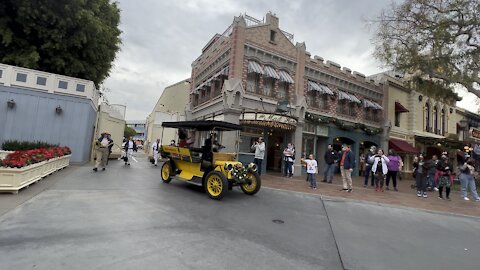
<point>405,197</point>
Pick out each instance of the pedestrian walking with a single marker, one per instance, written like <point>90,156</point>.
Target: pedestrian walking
<point>312,170</point>
<point>368,166</point>
<point>431,166</point>
<point>130,147</point>
<point>467,179</point>
<point>393,169</point>
<point>331,159</point>
<point>110,146</point>
<point>379,168</point>
<point>101,152</point>
<point>288,158</point>
<point>420,171</point>
<point>444,176</point>
<point>156,150</point>
<point>259,148</point>
<point>347,164</point>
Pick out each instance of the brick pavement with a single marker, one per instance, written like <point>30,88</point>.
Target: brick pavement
<point>405,197</point>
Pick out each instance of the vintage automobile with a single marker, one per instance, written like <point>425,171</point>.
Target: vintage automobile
<point>205,166</point>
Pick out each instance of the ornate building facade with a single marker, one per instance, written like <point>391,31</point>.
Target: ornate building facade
<point>255,75</point>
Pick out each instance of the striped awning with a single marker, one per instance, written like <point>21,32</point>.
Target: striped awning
<point>285,77</point>
<point>313,86</point>
<point>371,104</point>
<point>270,72</point>
<point>326,89</point>
<point>377,105</point>
<point>223,71</point>
<point>355,99</point>
<point>368,104</point>
<point>344,96</point>
<point>254,67</point>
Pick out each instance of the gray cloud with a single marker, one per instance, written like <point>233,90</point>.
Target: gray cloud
<point>162,38</point>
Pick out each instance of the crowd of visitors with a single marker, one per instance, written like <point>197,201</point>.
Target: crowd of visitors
<point>430,175</point>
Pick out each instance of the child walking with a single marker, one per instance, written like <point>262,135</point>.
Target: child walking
<point>312,169</point>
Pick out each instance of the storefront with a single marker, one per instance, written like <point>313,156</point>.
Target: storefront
<point>277,131</point>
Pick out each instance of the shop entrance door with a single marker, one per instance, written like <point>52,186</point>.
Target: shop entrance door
<point>276,143</point>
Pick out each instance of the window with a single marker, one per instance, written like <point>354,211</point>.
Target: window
<point>444,123</point>
<point>397,119</point>
<point>310,98</point>
<point>343,107</point>
<point>268,86</point>
<point>272,35</point>
<point>41,80</point>
<point>62,84</point>
<point>1,73</point>
<point>435,121</point>
<point>351,109</point>
<point>80,87</point>
<point>427,117</point>
<point>283,91</point>
<point>253,82</point>
<point>21,77</point>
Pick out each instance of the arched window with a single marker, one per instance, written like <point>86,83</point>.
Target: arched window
<point>444,123</point>
<point>436,130</point>
<point>427,117</point>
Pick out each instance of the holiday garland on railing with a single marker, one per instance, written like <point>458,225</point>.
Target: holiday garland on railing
<point>318,119</point>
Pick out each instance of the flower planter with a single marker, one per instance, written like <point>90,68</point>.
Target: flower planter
<point>3,153</point>
<point>14,179</point>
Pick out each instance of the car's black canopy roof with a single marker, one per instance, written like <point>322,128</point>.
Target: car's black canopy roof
<point>203,125</point>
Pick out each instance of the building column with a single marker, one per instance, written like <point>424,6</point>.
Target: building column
<point>298,137</point>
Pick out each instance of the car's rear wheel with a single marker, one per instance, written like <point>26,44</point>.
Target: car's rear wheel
<point>216,185</point>
<point>165,172</point>
<point>255,184</point>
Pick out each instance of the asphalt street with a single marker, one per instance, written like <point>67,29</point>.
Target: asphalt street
<point>125,218</point>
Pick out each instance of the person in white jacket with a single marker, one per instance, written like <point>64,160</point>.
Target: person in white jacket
<point>156,149</point>
<point>379,169</point>
<point>259,148</point>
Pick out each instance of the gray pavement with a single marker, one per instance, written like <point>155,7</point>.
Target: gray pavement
<point>125,218</point>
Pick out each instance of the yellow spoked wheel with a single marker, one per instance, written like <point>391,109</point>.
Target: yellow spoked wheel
<point>165,172</point>
<point>255,184</point>
<point>216,185</point>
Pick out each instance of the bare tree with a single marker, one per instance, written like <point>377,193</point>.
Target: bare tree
<point>437,40</point>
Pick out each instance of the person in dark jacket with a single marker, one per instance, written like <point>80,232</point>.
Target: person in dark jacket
<point>444,176</point>
<point>368,166</point>
<point>331,160</point>
<point>347,164</point>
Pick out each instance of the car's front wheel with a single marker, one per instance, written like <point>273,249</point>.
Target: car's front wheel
<point>254,185</point>
<point>165,172</point>
<point>216,185</point>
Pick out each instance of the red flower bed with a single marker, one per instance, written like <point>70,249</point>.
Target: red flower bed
<point>19,159</point>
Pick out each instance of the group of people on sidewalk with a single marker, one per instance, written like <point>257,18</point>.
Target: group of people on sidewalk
<point>434,174</point>
<point>103,149</point>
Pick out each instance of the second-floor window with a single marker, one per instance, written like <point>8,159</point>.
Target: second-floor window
<point>268,86</point>
<point>397,119</point>
<point>427,118</point>
<point>444,123</point>
<point>283,91</point>
<point>253,82</point>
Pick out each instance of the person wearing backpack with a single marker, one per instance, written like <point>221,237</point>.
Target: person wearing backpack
<point>368,166</point>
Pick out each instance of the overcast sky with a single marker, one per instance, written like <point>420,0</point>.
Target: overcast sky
<point>161,38</point>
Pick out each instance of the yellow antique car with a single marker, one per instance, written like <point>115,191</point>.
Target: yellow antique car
<point>205,166</point>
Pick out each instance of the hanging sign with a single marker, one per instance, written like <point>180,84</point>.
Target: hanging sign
<point>269,120</point>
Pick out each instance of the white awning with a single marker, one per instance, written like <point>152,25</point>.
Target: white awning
<point>285,77</point>
<point>378,106</point>
<point>254,67</point>
<point>354,99</point>
<point>223,71</point>
<point>368,104</point>
<point>313,86</point>
<point>270,72</point>
<point>344,96</point>
<point>326,89</point>
<point>371,104</point>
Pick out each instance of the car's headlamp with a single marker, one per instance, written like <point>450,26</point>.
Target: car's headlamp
<point>228,167</point>
<point>252,167</point>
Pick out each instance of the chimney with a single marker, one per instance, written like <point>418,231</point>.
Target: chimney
<point>272,20</point>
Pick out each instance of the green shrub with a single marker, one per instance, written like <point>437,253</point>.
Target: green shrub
<point>14,145</point>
